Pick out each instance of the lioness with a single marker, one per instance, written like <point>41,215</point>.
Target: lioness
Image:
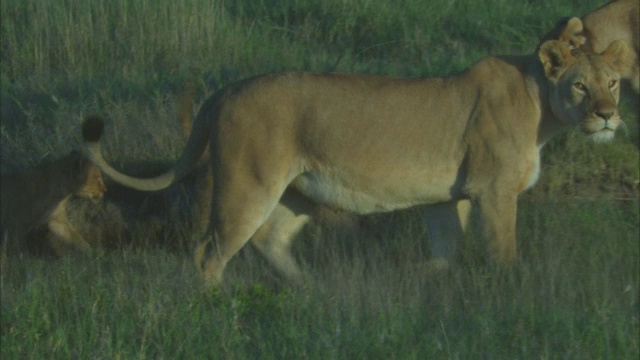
<point>372,144</point>
<point>39,196</point>
<point>616,20</point>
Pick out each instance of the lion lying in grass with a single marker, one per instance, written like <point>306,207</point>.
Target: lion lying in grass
<point>39,196</point>
<point>372,144</point>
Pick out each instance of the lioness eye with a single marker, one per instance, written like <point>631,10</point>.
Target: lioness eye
<point>612,83</point>
<point>579,86</point>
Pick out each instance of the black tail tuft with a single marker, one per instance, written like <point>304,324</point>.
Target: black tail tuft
<point>92,129</point>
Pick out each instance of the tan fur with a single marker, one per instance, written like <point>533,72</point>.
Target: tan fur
<point>39,196</point>
<point>371,144</point>
<point>616,20</point>
<point>274,238</point>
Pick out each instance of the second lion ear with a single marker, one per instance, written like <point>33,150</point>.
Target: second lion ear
<point>568,30</point>
<point>617,55</point>
<point>555,56</point>
<point>572,33</point>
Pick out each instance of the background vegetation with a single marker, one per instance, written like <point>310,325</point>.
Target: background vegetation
<point>574,295</point>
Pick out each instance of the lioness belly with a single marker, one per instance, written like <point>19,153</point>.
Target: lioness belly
<point>362,197</point>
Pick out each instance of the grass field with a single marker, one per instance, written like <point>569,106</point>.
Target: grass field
<point>573,295</point>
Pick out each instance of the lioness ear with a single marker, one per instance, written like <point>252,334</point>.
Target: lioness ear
<point>617,55</point>
<point>572,33</point>
<point>555,56</point>
<point>569,31</point>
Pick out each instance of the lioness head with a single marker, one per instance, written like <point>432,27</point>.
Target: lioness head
<point>585,87</point>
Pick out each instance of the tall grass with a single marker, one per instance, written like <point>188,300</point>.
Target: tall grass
<point>573,295</point>
<point>64,59</point>
<point>143,38</point>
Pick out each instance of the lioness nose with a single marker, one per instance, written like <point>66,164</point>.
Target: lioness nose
<point>605,113</point>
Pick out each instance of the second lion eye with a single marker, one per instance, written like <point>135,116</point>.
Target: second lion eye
<point>612,83</point>
<point>580,86</point>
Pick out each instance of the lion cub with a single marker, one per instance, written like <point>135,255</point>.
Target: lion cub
<point>39,196</point>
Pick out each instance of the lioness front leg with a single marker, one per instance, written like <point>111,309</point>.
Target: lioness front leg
<point>498,217</point>
<point>446,224</point>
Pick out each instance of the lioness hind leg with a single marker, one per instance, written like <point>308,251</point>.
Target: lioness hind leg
<point>446,224</point>
<point>237,215</point>
<point>275,236</point>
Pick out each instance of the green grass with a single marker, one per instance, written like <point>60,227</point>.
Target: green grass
<point>573,295</point>
<point>161,38</point>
